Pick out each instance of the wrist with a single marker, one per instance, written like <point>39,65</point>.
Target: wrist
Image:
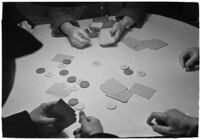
<point>126,22</point>
<point>67,28</point>
<point>193,127</point>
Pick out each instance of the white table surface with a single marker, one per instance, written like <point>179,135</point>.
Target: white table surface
<point>175,87</point>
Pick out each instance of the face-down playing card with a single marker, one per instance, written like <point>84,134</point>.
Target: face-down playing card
<point>64,113</point>
<point>112,86</point>
<point>133,43</point>
<point>153,44</point>
<point>59,89</point>
<point>105,37</point>
<point>60,57</point>
<point>142,90</point>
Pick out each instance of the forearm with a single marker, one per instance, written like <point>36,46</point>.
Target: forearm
<point>19,125</point>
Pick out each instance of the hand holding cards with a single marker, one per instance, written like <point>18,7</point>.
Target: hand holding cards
<point>64,113</point>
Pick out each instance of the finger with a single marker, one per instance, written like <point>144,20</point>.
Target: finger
<point>161,129</point>
<point>78,135</point>
<point>191,62</point>
<point>77,44</point>
<point>77,131</point>
<point>82,117</point>
<point>155,115</point>
<point>114,29</point>
<point>160,122</point>
<point>84,34</point>
<point>81,39</point>
<point>117,35</point>
<point>182,59</point>
<point>47,120</point>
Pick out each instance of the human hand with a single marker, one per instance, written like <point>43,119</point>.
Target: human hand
<point>26,26</point>
<point>77,36</point>
<point>189,58</point>
<point>172,122</point>
<point>44,123</point>
<point>89,126</point>
<point>120,26</point>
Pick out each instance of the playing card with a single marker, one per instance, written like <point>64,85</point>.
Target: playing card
<point>106,38</point>
<point>60,57</point>
<point>59,89</point>
<point>142,90</point>
<point>65,115</point>
<point>108,24</point>
<point>154,44</point>
<point>113,86</point>
<point>133,43</point>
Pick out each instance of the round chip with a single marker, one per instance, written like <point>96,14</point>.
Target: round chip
<point>73,101</point>
<point>141,73</point>
<point>62,65</point>
<point>74,88</point>
<point>40,70</point>
<point>71,79</point>
<point>96,63</point>
<point>49,74</point>
<point>79,107</point>
<point>84,84</point>
<point>128,71</point>
<point>66,61</point>
<point>123,67</point>
<point>64,72</point>
<point>111,106</point>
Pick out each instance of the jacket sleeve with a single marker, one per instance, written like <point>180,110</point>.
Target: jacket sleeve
<point>60,17</point>
<point>103,135</point>
<point>19,125</point>
<point>134,10</point>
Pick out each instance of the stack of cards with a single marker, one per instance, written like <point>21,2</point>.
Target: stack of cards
<point>136,44</point>
<point>64,113</point>
<point>106,38</point>
<point>114,89</point>
<point>60,57</point>
<point>118,91</point>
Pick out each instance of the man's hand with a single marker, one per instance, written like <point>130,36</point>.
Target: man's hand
<point>172,122</point>
<point>189,58</point>
<point>89,126</point>
<point>120,26</point>
<point>44,123</point>
<point>77,36</point>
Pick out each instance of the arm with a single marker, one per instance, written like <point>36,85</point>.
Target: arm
<point>19,125</point>
<point>59,18</point>
<point>135,11</point>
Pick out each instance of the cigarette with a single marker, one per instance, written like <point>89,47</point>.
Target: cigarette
<point>89,30</point>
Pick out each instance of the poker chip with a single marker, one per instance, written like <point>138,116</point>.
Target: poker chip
<point>123,67</point>
<point>79,107</point>
<point>71,79</point>
<point>73,102</point>
<point>128,71</point>
<point>66,61</point>
<point>141,73</point>
<point>74,88</point>
<point>111,106</point>
<point>62,65</point>
<point>96,63</point>
<point>84,84</point>
<point>40,70</point>
<point>49,74</point>
<point>64,72</point>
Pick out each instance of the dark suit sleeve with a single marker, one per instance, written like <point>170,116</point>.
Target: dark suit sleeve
<point>60,17</point>
<point>103,135</point>
<point>134,10</point>
<point>19,125</point>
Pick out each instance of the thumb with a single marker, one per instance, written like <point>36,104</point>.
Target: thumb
<point>191,61</point>
<point>47,120</point>
<point>114,29</point>
<point>82,117</point>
